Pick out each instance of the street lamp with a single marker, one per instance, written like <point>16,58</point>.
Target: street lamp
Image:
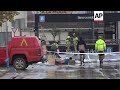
<point>6,35</point>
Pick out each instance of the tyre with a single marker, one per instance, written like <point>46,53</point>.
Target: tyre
<point>43,60</point>
<point>20,63</point>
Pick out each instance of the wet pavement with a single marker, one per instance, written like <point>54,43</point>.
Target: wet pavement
<point>110,70</point>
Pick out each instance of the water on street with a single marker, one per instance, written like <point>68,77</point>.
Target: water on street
<point>110,70</point>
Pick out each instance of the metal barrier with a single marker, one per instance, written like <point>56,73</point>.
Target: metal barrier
<point>92,57</point>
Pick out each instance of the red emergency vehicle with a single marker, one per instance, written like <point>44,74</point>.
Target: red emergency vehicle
<point>23,50</point>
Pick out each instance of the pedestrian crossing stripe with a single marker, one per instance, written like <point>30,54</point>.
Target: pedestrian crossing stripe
<point>23,41</point>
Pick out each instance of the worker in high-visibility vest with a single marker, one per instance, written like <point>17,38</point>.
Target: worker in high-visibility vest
<point>68,43</point>
<point>100,47</point>
<point>75,41</point>
<point>54,47</point>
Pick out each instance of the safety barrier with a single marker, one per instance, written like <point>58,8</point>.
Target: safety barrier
<point>109,56</point>
<point>84,53</point>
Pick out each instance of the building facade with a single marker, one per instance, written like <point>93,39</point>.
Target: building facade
<point>25,24</point>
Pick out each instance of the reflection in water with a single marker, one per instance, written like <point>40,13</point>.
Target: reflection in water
<point>62,75</point>
<point>82,73</point>
<point>89,71</point>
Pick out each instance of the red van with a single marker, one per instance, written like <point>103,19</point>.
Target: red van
<point>23,50</point>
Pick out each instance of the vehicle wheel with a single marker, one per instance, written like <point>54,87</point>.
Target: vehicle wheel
<point>20,63</point>
<point>43,60</point>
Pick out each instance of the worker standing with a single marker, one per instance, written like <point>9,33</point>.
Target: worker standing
<point>68,43</point>
<point>100,47</point>
<point>75,42</point>
<point>54,48</point>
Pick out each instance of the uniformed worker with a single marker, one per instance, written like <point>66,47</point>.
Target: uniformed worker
<point>75,41</point>
<point>68,43</point>
<point>54,47</point>
<point>100,47</point>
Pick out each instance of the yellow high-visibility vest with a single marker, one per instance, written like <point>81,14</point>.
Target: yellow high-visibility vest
<point>100,45</point>
<point>68,41</point>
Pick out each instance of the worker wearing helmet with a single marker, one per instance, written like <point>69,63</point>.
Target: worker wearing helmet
<point>100,47</point>
<point>75,41</point>
<point>54,46</point>
<point>68,43</point>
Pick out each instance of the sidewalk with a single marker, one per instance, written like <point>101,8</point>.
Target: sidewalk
<point>4,70</point>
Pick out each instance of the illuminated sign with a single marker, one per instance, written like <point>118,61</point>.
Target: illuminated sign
<point>41,18</point>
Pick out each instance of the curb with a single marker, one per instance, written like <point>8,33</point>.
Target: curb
<point>3,72</point>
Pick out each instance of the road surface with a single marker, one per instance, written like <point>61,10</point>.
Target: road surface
<point>110,70</point>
